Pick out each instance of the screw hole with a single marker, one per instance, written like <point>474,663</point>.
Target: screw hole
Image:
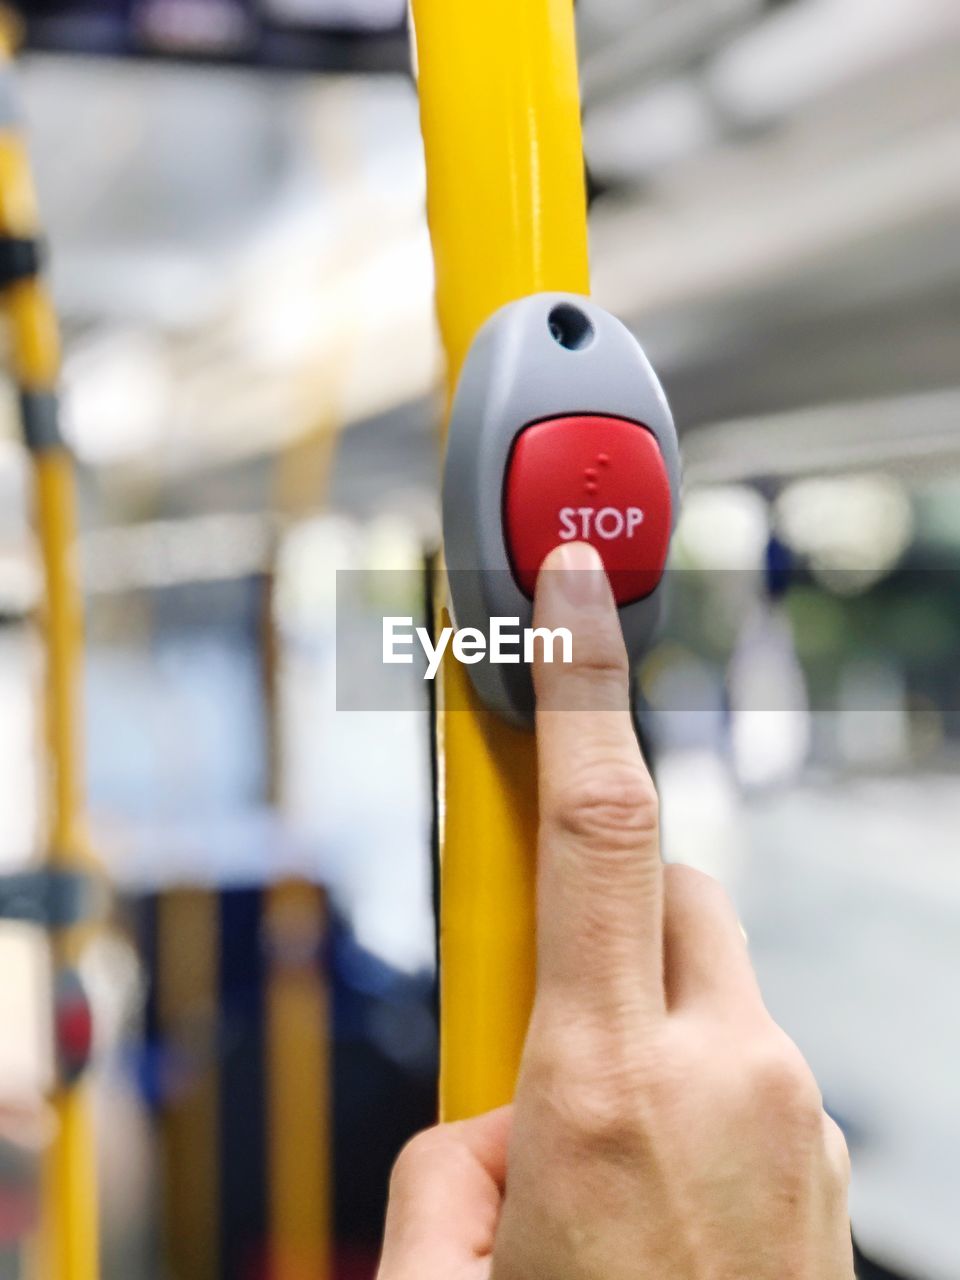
<point>569,327</point>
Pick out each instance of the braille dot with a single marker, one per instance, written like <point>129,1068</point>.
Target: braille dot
<point>603,459</point>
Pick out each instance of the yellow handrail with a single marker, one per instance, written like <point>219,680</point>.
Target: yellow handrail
<point>500,115</point>
<point>187,997</point>
<point>298,1084</point>
<point>68,1244</point>
<point>299,1090</point>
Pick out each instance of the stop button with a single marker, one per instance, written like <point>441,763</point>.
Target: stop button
<point>559,432</point>
<point>589,478</point>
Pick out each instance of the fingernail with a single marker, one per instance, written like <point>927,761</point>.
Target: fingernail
<point>578,573</point>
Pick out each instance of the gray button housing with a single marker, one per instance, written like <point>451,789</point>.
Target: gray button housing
<point>545,356</point>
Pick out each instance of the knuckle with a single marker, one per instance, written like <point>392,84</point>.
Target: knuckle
<point>781,1081</point>
<point>600,654</point>
<point>592,1088</point>
<point>838,1153</point>
<point>595,1114</point>
<point>612,804</point>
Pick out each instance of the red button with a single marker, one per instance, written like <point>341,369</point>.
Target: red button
<point>589,479</point>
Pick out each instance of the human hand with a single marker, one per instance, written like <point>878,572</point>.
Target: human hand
<point>664,1127</point>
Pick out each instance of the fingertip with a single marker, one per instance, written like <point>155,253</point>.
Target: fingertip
<point>574,599</point>
<point>573,555</point>
<point>572,577</point>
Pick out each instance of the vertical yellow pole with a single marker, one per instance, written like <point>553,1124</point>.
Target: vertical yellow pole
<point>500,115</point>
<point>298,1091</point>
<point>68,1245</point>
<point>188,979</point>
<point>298,1083</point>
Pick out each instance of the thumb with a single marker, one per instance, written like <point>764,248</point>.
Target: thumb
<point>445,1198</point>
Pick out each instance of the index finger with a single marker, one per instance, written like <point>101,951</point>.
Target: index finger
<point>600,885</point>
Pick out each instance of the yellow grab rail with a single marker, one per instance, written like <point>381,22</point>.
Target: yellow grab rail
<point>500,114</point>
<point>68,1245</point>
<point>298,1085</point>
<point>299,1080</point>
